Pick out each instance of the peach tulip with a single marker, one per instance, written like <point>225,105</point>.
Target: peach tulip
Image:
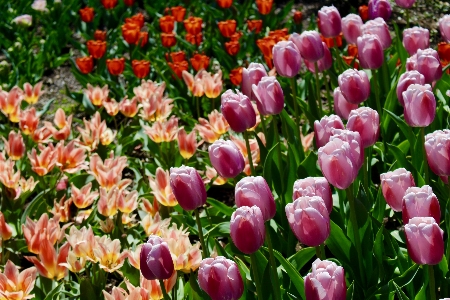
<point>48,264</point>
<point>15,285</point>
<point>14,146</point>
<point>63,125</point>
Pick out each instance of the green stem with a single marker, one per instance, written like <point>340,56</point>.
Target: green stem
<point>431,282</point>
<point>276,283</point>
<point>378,103</point>
<point>294,98</point>
<point>200,234</point>
<point>320,252</point>
<point>366,167</point>
<point>330,103</point>
<point>263,125</point>
<point>163,289</point>
<point>425,160</point>
<point>319,100</point>
<point>338,54</point>
<point>249,153</point>
<point>256,277</point>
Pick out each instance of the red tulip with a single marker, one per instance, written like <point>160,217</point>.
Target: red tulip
<point>156,260</point>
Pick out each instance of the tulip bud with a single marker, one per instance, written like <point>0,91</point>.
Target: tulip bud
<point>354,85</point>
<point>411,63</point>
<point>220,278</point>
<point>341,106</point>
<point>429,65</point>
<point>156,260</point>
<point>394,185</point>
<point>329,21</point>
<point>420,202</point>
<point>405,80</point>
<point>326,281</point>
<point>437,146</point>
<point>187,143</point>
<point>226,158</point>
<point>351,27</point>
<point>366,121</point>
<point>416,38</point>
<point>250,76</point>
<point>269,96</point>
<point>188,187</point>
<point>309,44</point>
<point>379,28</point>
<point>29,121</point>
<point>419,105</point>
<point>14,146</point>
<point>323,128</point>
<point>252,191</point>
<point>322,64</point>
<point>425,241</point>
<point>5,229</point>
<point>444,27</point>
<point>314,186</point>
<point>247,229</point>
<point>405,3</point>
<point>353,138</point>
<point>238,111</point>
<point>370,51</point>
<point>286,58</point>
<point>379,8</point>
<point>309,220</point>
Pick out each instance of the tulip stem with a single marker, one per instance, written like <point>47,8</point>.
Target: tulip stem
<point>366,167</point>
<point>378,103</point>
<point>338,52</point>
<point>197,104</point>
<point>294,98</point>
<point>200,234</point>
<point>249,153</point>
<point>425,160</point>
<point>431,282</point>
<point>163,290</point>
<point>330,104</point>
<point>263,125</point>
<point>316,73</point>
<point>320,252</point>
<point>276,283</point>
<point>256,277</point>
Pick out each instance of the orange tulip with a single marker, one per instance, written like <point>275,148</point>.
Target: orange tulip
<point>107,204</point>
<point>212,130</point>
<point>200,61</point>
<point>194,39</point>
<point>44,162</point>
<point>168,39</point>
<point>297,17</point>
<point>108,173</point>
<point>236,36</point>
<point>28,121</point>
<point>43,229</point>
<point>49,260</point>
<point>31,95</point>
<point>175,56</point>
<point>128,2</point>
<point>70,159</point>
<point>227,28</point>
<point>349,59</point>
<point>115,66</point>
<point>236,76</point>
<point>137,19</point>
<point>254,25</point>
<point>187,143</point>
<point>62,208</point>
<point>10,102</point>
<point>5,229</point>
<point>210,174</point>
<point>96,48</point>
<point>179,67</point>
<point>160,185</point>
<point>232,47</point>
<point>41,135</point>
<point>194,84</point>
<point>163,131</point>
<point>352,50</point>
<point>364,12</point>
<point>131,32</point>
<point>100,35</point>
<point>266,45</point>
<point>141,68</point>
<point>7,176</point>
<point>279,34</point>
<point>87,14</point>
<point>193,25</point>
<point>143,37</point>
<point>167,24</point>
<point>224,3</point>
<point>15,285</point>
<point>109,4</point>
<point>178,12</point>
<point>14,146</point>
<point>62,130</point>
<point>264,6</point>
<point>331,42</point>
<point>444,52</point>
<point>85,64</point>
<point>128,107</point>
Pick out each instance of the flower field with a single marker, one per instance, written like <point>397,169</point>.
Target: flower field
<point>223,150</point>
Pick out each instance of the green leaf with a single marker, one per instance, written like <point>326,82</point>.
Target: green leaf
<point>302,257</point>
<point>220,206</point>
<point>34,205</point>
<point>54,292</point>
<point>45,108</point>
<point>400,293</point>
<point>339,244</point>
<point>350,291</point>
<point>87,290</point>
<point>406,130</point>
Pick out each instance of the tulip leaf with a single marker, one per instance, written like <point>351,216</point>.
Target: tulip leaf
<point>221,229</point>
<point>400,293</point>
<point>131,273</point>
<point>406,130</point>
<point>55,292</point>
<point>350,291</point>
<point>271,171</point>
<point>221,207</point>
<point>34,206</point>
<point>302,257</point>
<point>87,290</point>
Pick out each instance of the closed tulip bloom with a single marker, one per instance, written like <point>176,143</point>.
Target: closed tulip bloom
<point>227,28</point>
<point>85,64</point>
<point>226,158</point>
<point>109,4</point>
<point>366,121</point>
<point>324,63</point>
<point>429,65</point>
<point>96,48</point>
<point>14,146</point>
<point>370,51</point>
<point>193,25</point>
<point>363,12</point>
<point>297,17</point>
<point>87,14</point>
<point>220,278</point>
<point>238,111</point>
<point>250,76</point>
<point>156,261</point>
<point>323,129</point>
<point>188,187</point>
<point>187,143</point>
<point>351,27</point>
<point>309,44</point>
<point>178,12</point>
<point>130,32</point>
<point>141,68</point>
<point>326,281</point>
<point>167,24</point>
<point>247,229</point>
<point>232,47</point>
<point>115,66</point>
<point>444,27</point>
<point>416,38</point>
<point>341,106</point>
<point>379,28</point>
<point>314,186</point>
<point>354,85</point>
<point>254,25</point>
<point>236,75</point>
<point>437,146</point>
<point>394,185</point>
<point>286,58</point>
<point>405,80</point>
<point>329,21</point>
<point>264,6</point>
<point>425,241</point>
<point>420,202</point>
<point>269,96</point>
<point>420,105</point>
<point>224,3</point>
<point>252,191</point>
<point>405,3</point>
<point>100,35</point>
<point>309,220</point>
<point>353,138</point>
<point>199,61</point>
<point>379,8</point>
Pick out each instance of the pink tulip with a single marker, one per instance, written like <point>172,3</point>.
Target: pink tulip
<point>411,63</point>
<point>444,27</point>
<point>247,229</point>
<point>416,38</point>
<point>309,44</point>
<point>425,241</point>
<point>420,202</point>
<point>353,138</point>
<point>336,163</point>
<point>252,191</point>
<point>322,64</point>
<point>269,96</point>
<point>156,260</point>
<point>286,58</point>
<point>437,146</point>
<point>329,21</point>
<point>429,65</point>
<point>314,186</point>
<point>366,121</point>
<point>394,185</point>
<point>220,278</point>
<point>405,3</point>
<point>354,85</point>
<point>250,76</point>
<point>341,106</point>
<point>351,27</point>
<point>405,80</point>
<point>323,128</point>
<point>420,105</point>
<point>370,51</point>
<point>309,220</point>
<point>326,281</point>
<point>188,187</point>
<point>238,111</point>
<point>14,146</point>
<point>379,8</point>
<point>379,28</point>
<point>226,158</point>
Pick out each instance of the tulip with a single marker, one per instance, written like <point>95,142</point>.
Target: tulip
<point>226,158</point>
<point>193,25</point>
<point>416,38</point>
<point>363,12</point>
<point>250,76</point>
<point>236,75</point>
<point>111,106</point>
<point>137,19</point>
<point>254,25</point>
<point>247,229</point>
<point>31,94</point>
<point>179,56</point>
<point>314,186</point>
<point>220,279</point>
<point>323,128</point>
<point>394,185</point>
<point>162,130</point>
<point>96,48</point>
<point>109,4</point>
<point>297,17</point>
<point>254,191</point>
<point>238,111</point>
<point>370,51</point>
<point>212,84</point>
<point>224,3</point>
<point>444,53</point>
<point>85,64</point>
<point>379,8</point>
<point>141,68</point>
<point>115,66</point>
<point>130,32</point>
<point>353,138</point>
<point>269,96</point>
<point>128,107</point>
<point>14,146</point>
<point>168,39</point>
<point>48,263</point>
<point>178,12</point>
<point>167,24</point>
<point>420,105</point>
<point>23,20</point>
<point>366,121</point>
<point>87,14</point>
<point>128,2</point>
<point>405,80</point>
<point>405,3</point>
<point>379,28</point>
<point>354,85</point>
<point>96,94</point>
<point>286,58</point>
<point>444,27</point>
<point>199,61</point>
<point>100,35</point>
<point>341,106</point>
<point>188,187</point>
<point>329,21</point>
<point>309,44</point>
<point>143,38</point>
<point>326,281</point>
<point>83,197</point>
<point>156,260</point>
<point>429,65</point>
<point>420,202</point>
<point>309,220</point>
<point>29,121</point>
<point>425,240</point>
<point>264,6</point>
<point>232,47</point>
<point>227,28</point>
<point>187,143</point>
<point>266,45</point>
<point>351,27</point>
<point>5,229</point>
<point>437,146</point>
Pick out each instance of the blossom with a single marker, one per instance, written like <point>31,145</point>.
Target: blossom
<point>15,285</point>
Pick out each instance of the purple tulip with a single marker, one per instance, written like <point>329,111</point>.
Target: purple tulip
<point>286,58</point>
<point>309,44</point>
<point>324,127</point>
<point>252,191</point>
<point>351,27</point>
<point>394,185</point>
<point>379,8</point>
<point>188,187</point>
<point>354,85</point>
<point>405,80</point>
<point>437,146</point>
<point>326,281</point>
<point>156,260</point>
<point>226,158</point>
<point>420,202</point>
<point>366,121</point>
<point>238,111</point>
<point>269,96</point>
<point>429,65</point>
<point>329,21</point>
<point>420,105</point>
<point>252,75</point>
<point>370,51</point>
<point>322,64</point>
<point>247,229</point>
<point>444,27</point>
<point>341,106</point>
<point>379,28</point>
<point>416,38</point>
<point>411,63</point>
<point>353,138</point>
<point>314,186</point>
<point>405,3</point>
